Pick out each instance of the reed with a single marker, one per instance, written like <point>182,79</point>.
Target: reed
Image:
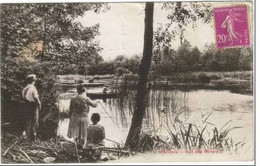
<point>190,138</point>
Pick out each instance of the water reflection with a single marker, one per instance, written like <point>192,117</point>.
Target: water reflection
<point>165,107</point>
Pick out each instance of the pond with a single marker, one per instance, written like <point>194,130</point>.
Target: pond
<point>164,107</point>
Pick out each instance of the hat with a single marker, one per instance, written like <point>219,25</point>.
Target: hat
<point>31,77</point>
<point>80,89</point>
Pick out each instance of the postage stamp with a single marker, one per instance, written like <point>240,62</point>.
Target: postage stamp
<point>231,26</point>
<point>128,82</point>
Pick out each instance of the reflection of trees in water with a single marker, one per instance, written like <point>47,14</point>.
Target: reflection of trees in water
<point>163,108</point>
<point>122,107</point>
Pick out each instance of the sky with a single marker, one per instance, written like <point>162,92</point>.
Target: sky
<point>122,29</point>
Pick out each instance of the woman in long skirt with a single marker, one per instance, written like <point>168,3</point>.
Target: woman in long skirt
<point>78,112</point>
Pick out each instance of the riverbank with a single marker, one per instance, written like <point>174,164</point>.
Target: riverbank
<point>55,150</point>
<point>188,145</point>
<point>237,82</point>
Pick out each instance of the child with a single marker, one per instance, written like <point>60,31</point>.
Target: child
<point>95,132</point>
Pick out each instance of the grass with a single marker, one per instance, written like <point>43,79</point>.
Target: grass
<point>189,137</point>
<point>181,136</point>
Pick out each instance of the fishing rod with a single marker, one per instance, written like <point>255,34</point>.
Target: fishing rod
<point>114,141</point>
<point>107,113</point>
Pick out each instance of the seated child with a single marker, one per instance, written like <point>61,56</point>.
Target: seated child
<point>95,132</point>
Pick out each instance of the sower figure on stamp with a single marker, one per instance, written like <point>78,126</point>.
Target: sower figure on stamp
<point>229,24</point>
<point>32,107</point>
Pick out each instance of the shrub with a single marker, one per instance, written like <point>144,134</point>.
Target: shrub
<point>121,71</point>
<point>215,77</point>
<point>203,78</point>
<point>12,84</point>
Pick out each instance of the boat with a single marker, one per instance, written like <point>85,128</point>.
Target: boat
<point>101,95</point>
<point>92,94</point>
<point>85,85</point>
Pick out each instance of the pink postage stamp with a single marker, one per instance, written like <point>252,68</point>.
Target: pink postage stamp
<point>231,25</point>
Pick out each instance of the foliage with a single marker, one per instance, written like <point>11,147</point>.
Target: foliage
<point>185,59</point>
<point>120,65</point>
<point>12,102</point>
<point>43,39</point>
<point>132,63</point>
<point>190,59</point>
<point>203,78</point>
<point>102,68</point>
<point>189,137</point>
<point>184,136</point>
<point>121,71</point>
<point>229,59</point>
<point>180,16</point>
<point>48,32</point>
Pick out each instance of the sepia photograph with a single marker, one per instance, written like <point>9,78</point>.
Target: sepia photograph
<point>127,82</point>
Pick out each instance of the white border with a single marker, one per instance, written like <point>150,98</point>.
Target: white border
<point>257,68</point>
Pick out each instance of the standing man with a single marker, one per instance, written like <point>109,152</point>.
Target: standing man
<point>32,107</point>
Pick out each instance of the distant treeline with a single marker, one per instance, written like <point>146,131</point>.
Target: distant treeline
<point>185,59</point>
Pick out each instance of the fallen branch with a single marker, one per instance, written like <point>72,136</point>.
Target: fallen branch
<point>115,150</point>
<point>9,148</point>
<point>24,153</point>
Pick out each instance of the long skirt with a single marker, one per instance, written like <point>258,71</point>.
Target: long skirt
<point>78,127</point>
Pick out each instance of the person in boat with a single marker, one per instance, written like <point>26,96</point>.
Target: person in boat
<point>95,132</point>
<point>91,80</point>
<point>78,113</point>
<point>32,106</point>
<point>105,89</point>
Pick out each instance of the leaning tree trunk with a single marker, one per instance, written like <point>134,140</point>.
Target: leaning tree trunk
<point>139,111</point>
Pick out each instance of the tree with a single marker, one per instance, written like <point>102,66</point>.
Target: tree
<point>181,14</point>
<point>63,41</point>
<point>168,62</point>
<point>182,17</point>
<point>246,59</point>
<point>229,59</point>
<point>195,58</point>
<point>133,64</point>
<point>43,39</point>
<point>135,129</point>
<point>184,58</point>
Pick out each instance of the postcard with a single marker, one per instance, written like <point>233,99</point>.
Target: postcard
<point>121,82</point>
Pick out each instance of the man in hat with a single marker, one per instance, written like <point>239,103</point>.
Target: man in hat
<point>32,106</point>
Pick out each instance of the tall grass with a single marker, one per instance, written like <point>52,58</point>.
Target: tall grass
<point>190,137</point>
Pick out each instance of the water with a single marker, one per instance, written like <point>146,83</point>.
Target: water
<point>201,107</point>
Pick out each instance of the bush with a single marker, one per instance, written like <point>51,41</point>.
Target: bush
<point>121,71</point>
<point>13,77</point>
<point>215,77</point>
<point>203,78</point>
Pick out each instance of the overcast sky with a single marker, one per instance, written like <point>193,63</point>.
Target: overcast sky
<point>122,29</point>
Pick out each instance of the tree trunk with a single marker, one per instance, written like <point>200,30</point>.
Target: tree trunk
<point>140,104</point>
